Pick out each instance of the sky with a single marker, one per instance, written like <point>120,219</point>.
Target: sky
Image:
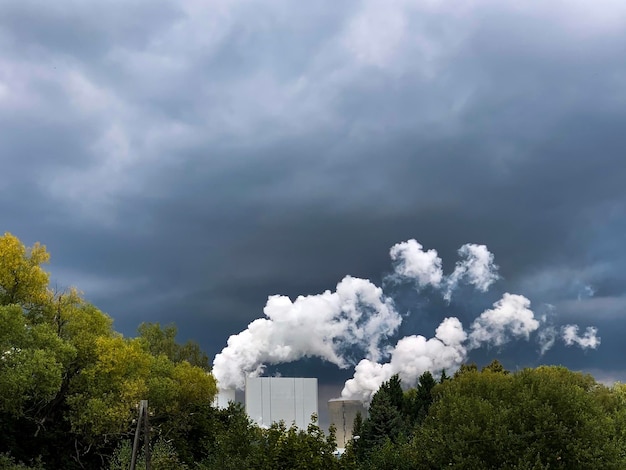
<point>184,160</point>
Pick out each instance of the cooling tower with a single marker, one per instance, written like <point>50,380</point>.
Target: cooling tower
<point>289,399</point>
<point>223,397</point>
<point>342,415</point>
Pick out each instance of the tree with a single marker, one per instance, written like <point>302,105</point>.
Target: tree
<point>22,280</point>
<point>291,448</point>
<point>69,383</point>
<point>162,340</point>
<point>164,457</point>
<point>496,367</point>
<point>385,420</point>
<point>49,338</point>
<point>226,439</point>
<point>535,418</point>
<point>417,400</point>
<point>106,392</point>
<point>32,361</point>
<point>125,373</point>
<point>393,389</point>
<point>357,426</point>
<point>465,368</point>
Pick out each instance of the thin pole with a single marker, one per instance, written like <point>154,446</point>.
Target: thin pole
<point>146,437</point>
<point>133,459</point>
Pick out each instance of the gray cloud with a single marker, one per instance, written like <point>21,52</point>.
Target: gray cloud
<point>184,161</point>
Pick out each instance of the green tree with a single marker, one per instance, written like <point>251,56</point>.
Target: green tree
<point>417,400</point>
<point>385,420</point>
<point>495,366</point>
<point>163,457</point>
<point>32,361</point>
<point>124,373</point>
<point>547,417</point>
<point>227,439</point>
<point>391,456</point>
<point>69,383</point>
<point>162,340</point>
<point>8,463</point>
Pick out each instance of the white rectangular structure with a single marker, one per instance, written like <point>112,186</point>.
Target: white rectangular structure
<point>289,399</point>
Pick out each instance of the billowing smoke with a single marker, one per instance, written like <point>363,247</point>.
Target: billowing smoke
<point>589,339</point>
<point>359,318</point>
<point>546,339</point>
<point>357,315</point>
<point>412,262</point>
<point>476,267</point>
<point>511,317</point>
<point>548,334</point>
<point>411,357</point>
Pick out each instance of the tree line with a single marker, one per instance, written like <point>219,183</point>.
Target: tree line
<point>70,384</point>
<point>537,418</point>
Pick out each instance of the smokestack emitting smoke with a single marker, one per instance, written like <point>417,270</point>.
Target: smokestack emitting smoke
<point>358,315</point>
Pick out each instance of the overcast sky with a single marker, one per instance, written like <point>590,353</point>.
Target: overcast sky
<point>184,160</point>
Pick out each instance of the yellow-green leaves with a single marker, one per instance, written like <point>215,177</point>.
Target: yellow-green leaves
<point>22,280</point>
<point>193,383</point>
<point>67,380</point>
<point>107,390</point>
<point>124,373</point>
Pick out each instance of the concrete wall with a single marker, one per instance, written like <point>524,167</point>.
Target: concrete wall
<point>342,415</point>
<point>272,399</point>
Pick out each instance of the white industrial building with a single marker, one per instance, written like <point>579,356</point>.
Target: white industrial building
<point>289,399</point>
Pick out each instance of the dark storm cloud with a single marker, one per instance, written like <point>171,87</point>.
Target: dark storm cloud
<point>183,161</point>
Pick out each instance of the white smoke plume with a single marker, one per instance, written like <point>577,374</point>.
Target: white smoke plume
<point>413,262</point>
<point>476,267</point>
<point>411,357</point>
<point>324,326</point>
<point>589,339</point>
<point>548,333</point>
<point>359,317</point>
<point>546,337</point>
<point>510,317</point>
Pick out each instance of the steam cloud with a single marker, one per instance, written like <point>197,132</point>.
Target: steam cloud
<point>546,339</point>
<point>415,263</point>
<point>412,356</point>
<point>589,339</point>
<point>476,267</point>
<point>510,317</point>
<point>324,326</point>
<point>359,317</point>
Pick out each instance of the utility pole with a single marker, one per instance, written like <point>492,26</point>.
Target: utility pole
<point>142,420</point>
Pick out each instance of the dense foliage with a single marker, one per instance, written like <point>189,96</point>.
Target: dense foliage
<point>542,418</point>
<point>69,385</point>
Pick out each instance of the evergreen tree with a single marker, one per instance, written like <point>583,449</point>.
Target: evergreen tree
<point>419,399</point>
<point>385,420</point>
